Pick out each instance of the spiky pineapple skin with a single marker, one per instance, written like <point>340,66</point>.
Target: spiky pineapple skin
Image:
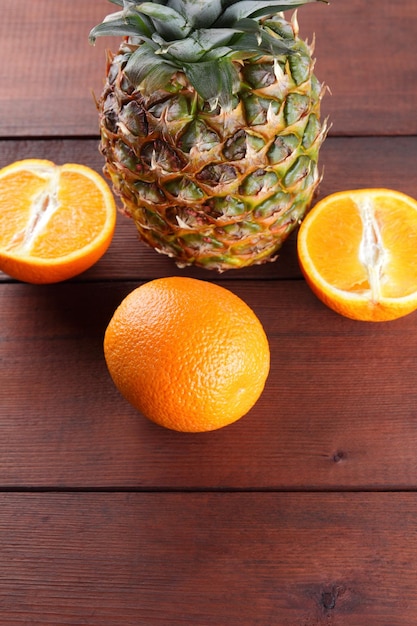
<point>217,189</point>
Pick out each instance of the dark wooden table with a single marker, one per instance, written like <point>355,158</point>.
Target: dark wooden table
<point>304,512</point>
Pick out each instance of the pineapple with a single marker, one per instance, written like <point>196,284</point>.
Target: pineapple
<point>210,126</point>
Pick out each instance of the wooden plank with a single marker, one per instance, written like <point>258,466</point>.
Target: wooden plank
<point>338,410</point>
<point>47,85</point>
<point>365,56</point>
<point>208,559</point>
<point>365,61</point>
<point>347,163</point>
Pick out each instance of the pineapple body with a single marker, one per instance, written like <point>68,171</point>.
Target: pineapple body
<point>216,186</point>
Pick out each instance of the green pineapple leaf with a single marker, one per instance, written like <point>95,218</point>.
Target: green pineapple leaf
<point>199,13</point>
<point>196,46</point>
<point>188,49</point>
<point>263,41</point>
<point>210,38</point>
<point>169,23</point>
<point>145,65</point>
<point>122,23</point>
<point>215,80</point>
<point>256,9</point>
<point>226,51</point>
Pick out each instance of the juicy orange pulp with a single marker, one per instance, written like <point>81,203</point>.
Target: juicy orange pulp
<point>55,221</point>
<point>358,252</point>
<point>189,354</point>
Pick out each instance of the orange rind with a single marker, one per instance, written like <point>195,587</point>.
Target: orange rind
<point>188,354</point>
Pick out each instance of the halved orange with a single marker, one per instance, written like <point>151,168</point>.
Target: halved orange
<point>55,221</point>
<point>358,252</point>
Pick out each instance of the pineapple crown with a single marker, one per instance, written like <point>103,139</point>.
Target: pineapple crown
<point>203,39</point>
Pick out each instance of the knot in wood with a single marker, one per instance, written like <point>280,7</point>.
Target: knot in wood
<point>339,456</point>
<point>329,597</point>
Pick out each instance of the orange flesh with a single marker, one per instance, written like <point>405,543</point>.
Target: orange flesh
<point>55,221</point>
<point>388,231</point>
<point>49,218</point>
<point>80,209</point>
<point>16,194</point>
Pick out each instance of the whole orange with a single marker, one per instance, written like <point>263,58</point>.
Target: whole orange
<point>189,354</point>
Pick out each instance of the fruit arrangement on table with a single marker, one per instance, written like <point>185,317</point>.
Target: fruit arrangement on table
<point>210,132</point>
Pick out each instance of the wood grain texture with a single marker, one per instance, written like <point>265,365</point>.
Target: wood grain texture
<point>303,513</point>
<point>368,63</point>
<point>338,410</point>
<point>46,89</point>
<point>47,85</point>
<point>208,559</point>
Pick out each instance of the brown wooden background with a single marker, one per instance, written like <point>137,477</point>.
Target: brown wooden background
<point>304,512</point>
